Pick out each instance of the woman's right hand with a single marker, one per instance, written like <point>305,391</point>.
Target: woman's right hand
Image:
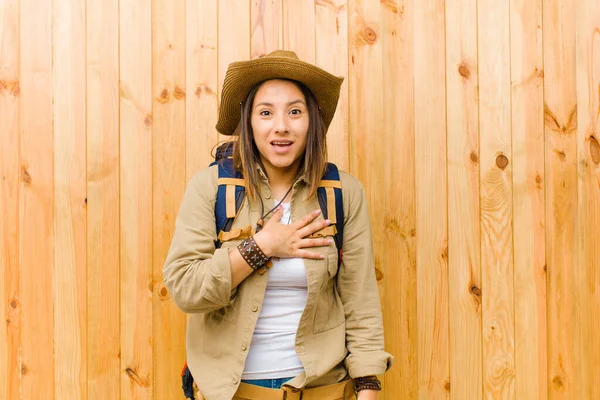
<point>290,241</point>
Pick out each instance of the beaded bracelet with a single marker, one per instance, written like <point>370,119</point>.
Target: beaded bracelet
<point>253,255</point>
<point>366,383</point>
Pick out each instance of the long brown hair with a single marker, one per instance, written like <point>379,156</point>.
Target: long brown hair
<point>247,157</point>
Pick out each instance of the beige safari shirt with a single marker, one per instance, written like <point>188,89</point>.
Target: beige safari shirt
<point>340,331</point>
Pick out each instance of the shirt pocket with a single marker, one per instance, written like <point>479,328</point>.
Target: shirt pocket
<point>329,312</point>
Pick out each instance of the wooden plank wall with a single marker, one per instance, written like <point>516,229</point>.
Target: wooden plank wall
<point>473,125</point>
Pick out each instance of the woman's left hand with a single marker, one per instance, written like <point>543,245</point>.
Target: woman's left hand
<point>368,395</point>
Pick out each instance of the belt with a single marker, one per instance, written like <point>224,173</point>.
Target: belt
<point>338,391</point>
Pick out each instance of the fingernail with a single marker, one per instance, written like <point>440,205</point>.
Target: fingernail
<point>318,212</point>
<point>328,222</point>
<point>321,256</point>
<point>329,241</point>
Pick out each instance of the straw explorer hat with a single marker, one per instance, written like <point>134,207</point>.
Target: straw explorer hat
<point>242,76</point>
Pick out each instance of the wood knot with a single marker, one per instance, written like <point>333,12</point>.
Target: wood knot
<point>14,304</point>
<point>163,292</point>
<point>475,291</point>
<point>164,96</point>
<point>378,274</point>
<point>24,369</point>
<point>538,179</point>
<point>594,150</point>
<point>474,157</point>
<point>25,177</point>
<point>501,161</point>
<point>464,71</point>
<point>447,386</point>
<point>369,35</point>
<point>15,89</point>
<point>558,382</point>
<point>148,120</point>
<point>179,93</point>
<point>545,268</point>
<point>203,89</point>
<point>133,375</point>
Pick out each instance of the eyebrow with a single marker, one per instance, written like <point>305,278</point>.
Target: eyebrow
<point>265,103</point>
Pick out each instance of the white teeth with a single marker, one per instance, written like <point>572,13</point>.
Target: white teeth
<point>281,143</point>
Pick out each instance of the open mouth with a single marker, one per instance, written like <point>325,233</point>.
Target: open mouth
<point>281,143</point>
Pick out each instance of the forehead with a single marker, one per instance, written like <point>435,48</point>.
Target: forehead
<point>279,89</point>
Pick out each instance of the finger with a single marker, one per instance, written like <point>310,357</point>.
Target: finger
<point>277,215</point>
<point>315,242</point>
<point>312,228</point>
<point>307,219</point>
<point>309,254</point>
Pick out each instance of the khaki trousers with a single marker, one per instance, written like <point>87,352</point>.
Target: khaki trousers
<point>338,391</point>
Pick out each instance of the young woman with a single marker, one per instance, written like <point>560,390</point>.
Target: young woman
<point>274,313</point>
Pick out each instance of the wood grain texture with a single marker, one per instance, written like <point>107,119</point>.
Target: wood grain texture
<point>399,267</point>
<point>266,31</point>
<point>366,106</point>
<point>562,258</point>
<point>103,229</point>
<point>527,117</point>
<point>201,77</point>
<point>464,253</point>
<point>431,199</point>
<point>496,200</point>
<point>135,159</point>
<point>36,208</point>
<point>168,178</point>
<point>299,28</point>
<point>587,276</point>
<point>233,33</point>
<point>70,191</point>
<point>331,25</point>
<point>10,307</point>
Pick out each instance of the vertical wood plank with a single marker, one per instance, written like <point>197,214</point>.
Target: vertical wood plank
<point>560,119</point>
<point>168,168</point>
<point>36,208</point>
<point>431,199</point>
<point>587,276</point>
<point>135,198</point>
<point>496,200</point>
<point>70,191</point>
<point>528,199</point>
<point>201,77</point>
<point>331,26</point>
<point>399,267</point>
<point>233,28</point>
<point>103,229</point>
<point>299,28</point>
<point>266,32</point>
<point>464,252</point>
<point>10,307</point>
<point>233,35</point>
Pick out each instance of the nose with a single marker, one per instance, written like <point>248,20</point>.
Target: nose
<point>281,123</point>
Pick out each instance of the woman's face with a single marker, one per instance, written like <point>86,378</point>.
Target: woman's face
<point>280,125</point>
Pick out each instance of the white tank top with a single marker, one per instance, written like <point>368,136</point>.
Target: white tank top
<point>272,352</point>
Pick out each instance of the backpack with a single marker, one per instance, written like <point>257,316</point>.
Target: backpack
<point>230,197</point>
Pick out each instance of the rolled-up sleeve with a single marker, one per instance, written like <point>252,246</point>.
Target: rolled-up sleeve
<point>357,286</point>
<point>197,276</point>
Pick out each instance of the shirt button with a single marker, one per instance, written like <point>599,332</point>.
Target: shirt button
<point>244,347</point>
<point>254,308</point>
<point>267,194</point>
<point>235,381</point>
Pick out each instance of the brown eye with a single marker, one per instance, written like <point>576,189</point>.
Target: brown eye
<point>265,113</point>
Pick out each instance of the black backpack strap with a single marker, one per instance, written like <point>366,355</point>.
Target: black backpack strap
<point>331,202</point>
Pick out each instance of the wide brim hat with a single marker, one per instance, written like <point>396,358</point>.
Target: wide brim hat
<point>242,76</point>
